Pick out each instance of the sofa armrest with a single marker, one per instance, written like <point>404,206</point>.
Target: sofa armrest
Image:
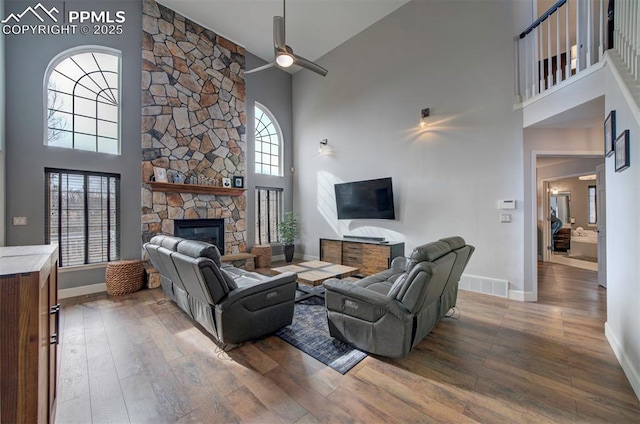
<point>248,287</point>
<point>347,298</point>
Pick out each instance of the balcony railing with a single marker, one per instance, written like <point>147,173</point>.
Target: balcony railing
<point>626,33</point>
<point>564,41</point>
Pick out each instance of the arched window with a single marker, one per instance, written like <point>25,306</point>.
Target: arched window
<point>268,142</point>
<point>83,100</point>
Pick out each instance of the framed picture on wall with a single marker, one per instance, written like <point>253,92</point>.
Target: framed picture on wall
<point>238,182</point>
<point>610,133</point>
<point>622,151</point>
<point>226,182</point>
<point>160,174</point>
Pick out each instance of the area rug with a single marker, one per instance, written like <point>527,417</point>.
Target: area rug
<point>309,332</point>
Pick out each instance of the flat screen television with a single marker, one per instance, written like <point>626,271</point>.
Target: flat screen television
<point>370,199</point>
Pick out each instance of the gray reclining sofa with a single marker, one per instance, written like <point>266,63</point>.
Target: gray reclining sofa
<point>232,304</point>
<point>389,313</point>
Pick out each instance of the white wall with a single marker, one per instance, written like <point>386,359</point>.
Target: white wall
<point>623,239</point>
<point>455,58</point>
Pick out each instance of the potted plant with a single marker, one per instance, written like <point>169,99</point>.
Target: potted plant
<point>287,229</point>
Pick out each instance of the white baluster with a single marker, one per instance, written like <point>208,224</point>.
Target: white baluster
<point>623,25</point>
<point>633,11</point>
<point>558,55</point>
<point>627,36</point>
<point>533,36</point>
<point>578,39</point>
<point>540,60</point>
<point>627,33</point>
<point>528,54</point>
<point>617,22</point>
<point>567,42</point>
<point>549,71</point>
<point>636,39</point>
<point>516,70</point>
<point>602,26</point>
<point>623,30</point>
<point>589,42</point>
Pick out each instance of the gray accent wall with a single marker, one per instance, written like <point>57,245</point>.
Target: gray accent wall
<point>272,89</point>
<point>456,58</point>
<point>27,57</point>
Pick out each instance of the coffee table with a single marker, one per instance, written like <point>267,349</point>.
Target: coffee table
<point>314,273</point>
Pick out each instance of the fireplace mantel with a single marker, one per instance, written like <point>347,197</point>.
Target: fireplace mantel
<point>197,189</point>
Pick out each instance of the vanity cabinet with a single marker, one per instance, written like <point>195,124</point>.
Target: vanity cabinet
<point>29,331</point>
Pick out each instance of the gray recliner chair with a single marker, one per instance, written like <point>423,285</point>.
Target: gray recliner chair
<point>389,313</point>
<point>232,304</point>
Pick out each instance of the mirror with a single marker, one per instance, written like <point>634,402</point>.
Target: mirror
<point>560,204</point>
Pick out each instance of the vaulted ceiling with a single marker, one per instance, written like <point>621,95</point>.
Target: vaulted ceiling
<point>313,27</point>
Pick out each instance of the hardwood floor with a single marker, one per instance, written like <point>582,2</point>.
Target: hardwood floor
<point>141,360</point>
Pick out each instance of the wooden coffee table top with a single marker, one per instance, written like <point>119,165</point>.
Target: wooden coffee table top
<point>315,272</point>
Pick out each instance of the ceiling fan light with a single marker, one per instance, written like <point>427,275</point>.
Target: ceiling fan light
<point>284,59</point>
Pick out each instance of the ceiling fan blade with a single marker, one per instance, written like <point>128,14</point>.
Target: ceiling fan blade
<point>279,42</point>
<point>260,68</point>
<point>307,64</point>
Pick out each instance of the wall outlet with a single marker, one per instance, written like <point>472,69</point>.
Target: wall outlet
<point>19,220</point>
<point>505,218</point>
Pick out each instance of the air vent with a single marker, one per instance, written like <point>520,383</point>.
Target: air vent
<point>483,285</point>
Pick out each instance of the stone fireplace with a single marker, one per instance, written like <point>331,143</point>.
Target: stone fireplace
<point>193,124</point>
<point>209,230</point>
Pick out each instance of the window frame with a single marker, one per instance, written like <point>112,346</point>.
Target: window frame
<point>276,124</point>
<point>590,189</point>
<point>86,213</point>
<point>47,75</point>
<point>278,218</point>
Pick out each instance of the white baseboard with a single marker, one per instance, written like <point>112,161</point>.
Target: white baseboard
<point>82,290</point>
<point>633,375</point>
<point>522,296</point>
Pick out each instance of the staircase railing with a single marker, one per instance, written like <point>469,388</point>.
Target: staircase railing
<point>626,33</point>
<point>564,41</point>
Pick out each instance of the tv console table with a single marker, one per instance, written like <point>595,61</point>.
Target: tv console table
<point>369,256</point>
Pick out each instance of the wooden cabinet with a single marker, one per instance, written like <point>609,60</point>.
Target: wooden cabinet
<point>370,257</point>
<point>562,240</point>
<point>29,313</point>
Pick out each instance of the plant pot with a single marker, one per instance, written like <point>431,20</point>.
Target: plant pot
<point>288,252</point>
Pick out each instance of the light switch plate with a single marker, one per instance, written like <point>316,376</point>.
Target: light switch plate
<point>19,220</point>
<point>505,218</point>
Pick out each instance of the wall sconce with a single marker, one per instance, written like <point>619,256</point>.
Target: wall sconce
<point>424,114</point>
<point>554,191</point>
<point>323,143</point>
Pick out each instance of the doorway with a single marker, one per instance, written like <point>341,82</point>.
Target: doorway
<point>569,215</point>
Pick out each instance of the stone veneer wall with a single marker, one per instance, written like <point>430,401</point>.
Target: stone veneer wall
<point>193,121</point>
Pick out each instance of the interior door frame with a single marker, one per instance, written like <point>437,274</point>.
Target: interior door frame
<point>531,227</point>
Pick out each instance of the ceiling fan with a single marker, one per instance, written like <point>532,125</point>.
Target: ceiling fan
<point>285,57</point>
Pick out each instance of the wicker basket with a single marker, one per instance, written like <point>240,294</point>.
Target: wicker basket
<point>124,277</point>
<point>263,255</point>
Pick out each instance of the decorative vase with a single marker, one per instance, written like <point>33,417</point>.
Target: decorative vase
<point>288,252</point>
